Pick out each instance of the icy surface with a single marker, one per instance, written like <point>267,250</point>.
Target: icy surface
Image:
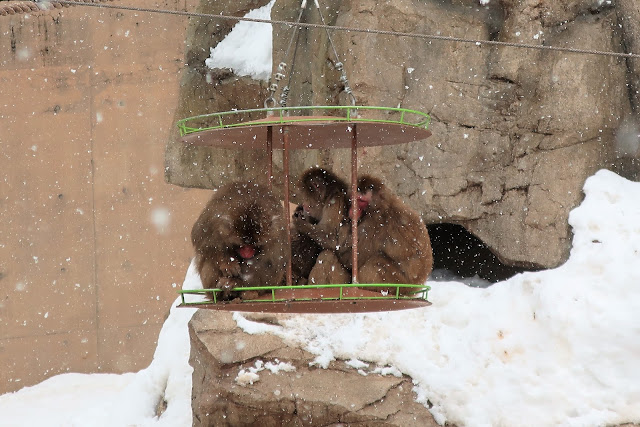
<point>247,48</point>
<point>552,348</point>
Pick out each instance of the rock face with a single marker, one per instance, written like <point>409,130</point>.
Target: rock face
<point>206,91</point>
<point>515,131</point>
<point>296,395</point>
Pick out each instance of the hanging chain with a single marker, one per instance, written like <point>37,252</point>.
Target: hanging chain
<point>339,65</point>
<point>270,102</point>
<point>284,96</point>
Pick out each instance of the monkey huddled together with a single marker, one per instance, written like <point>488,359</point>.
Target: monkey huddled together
<point>240,237</point>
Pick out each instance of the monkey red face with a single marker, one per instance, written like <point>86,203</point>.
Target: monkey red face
<point>363,201</point>
<point>247,251</point>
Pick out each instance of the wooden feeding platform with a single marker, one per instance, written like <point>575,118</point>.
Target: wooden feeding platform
<point>343,298</point>
<point>305,132</point>
<point>288,128</point>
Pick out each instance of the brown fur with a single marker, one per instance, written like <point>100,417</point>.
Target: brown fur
<point>304,253</point>
<point>393,242</point>
<point>240,216</point>
<point>317,224</point>
<point>328,269</point>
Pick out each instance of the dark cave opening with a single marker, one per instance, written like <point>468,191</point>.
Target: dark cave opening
<point>459,254</point>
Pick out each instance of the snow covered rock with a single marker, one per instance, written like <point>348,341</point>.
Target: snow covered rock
<point>208,89</point>
<point>242,379</point>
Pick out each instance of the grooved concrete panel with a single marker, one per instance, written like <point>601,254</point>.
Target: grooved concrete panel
<point>92,239</point>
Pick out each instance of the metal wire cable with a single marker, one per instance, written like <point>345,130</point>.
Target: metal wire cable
<point>477,42</point>
<point>30,6</point>
<point>339,65</point>
<point>18,7</point>
<point>303,5</point>
<point>326,27</point>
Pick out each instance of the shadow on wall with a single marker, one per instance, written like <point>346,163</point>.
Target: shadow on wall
<point>458,254</point>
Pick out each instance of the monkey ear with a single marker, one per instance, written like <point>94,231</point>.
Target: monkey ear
<point>276,222</point>
<point>226,224</point>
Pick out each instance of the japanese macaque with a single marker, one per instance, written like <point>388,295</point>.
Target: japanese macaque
<point>317,224</point>
<point>240,239</point>
<point>304,254</point>
<point>393,242</point>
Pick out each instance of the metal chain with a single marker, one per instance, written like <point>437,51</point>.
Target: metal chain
<point>270,102</point>
<point>339,65</point>
<point>477,42</point>
<point>284,96</point>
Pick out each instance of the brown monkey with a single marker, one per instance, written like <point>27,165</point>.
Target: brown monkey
<point>240,239</point>
<point>393,242</point>
<point>304,253</point>
<point>317,224</point>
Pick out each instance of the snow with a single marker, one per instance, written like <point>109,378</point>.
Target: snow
<point>161,219</point>
<point>275,368</point>
<point>250,375</point>
<point>357,364</point>
<point>560,347</point>
<point>245,378</point>
<point>557,347</point>
<point>247,48</point>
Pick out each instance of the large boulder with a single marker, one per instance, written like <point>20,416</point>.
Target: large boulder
<point>203,91</point>
<point>257,380</point>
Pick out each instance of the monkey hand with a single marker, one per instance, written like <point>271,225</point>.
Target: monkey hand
<point>299,212</point>
<point>230,267</point>
<point>302,223</point>
<point>227,283</point>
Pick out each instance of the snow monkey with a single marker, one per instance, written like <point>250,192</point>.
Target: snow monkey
<point>317,224</point>
<point>240,239</point>
<point>393,242</point>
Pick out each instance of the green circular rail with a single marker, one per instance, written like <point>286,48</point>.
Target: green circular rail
<point>343,298</point>
<point>284,116</point>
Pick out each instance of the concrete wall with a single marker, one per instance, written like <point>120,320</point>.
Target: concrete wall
<point>87,264</point>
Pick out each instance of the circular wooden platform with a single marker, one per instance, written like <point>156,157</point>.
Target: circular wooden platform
<point>310,132</point>
<point>325,300</point>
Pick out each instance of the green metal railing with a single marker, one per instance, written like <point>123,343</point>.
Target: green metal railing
<point>419,292</point>
<point>230,119</point>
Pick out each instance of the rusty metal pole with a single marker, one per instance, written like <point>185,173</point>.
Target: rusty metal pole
<point>355,209</point>
<point>270,153</point>
<point>287,210</point>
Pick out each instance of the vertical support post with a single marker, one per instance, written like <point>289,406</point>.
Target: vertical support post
<point>355,209</point>
<point>270,153</point>
<point>287,210</point>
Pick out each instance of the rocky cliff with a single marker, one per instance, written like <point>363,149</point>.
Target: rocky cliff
<point>515,131</point>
